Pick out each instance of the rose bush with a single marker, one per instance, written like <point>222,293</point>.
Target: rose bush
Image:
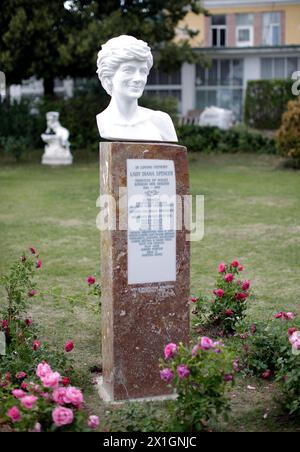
<point>288,374</point>
<point>230,299</point>
<point>264,344</point>
<point>199,376</point>
<point>44,406</point>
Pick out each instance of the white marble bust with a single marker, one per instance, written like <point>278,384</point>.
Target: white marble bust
<point>123,66</point>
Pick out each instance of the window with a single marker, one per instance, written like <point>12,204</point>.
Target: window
<point>278,68</point>
<point>244,30</point>
<point>271,29</point>
<point>220,85</point>
<point>218,31</point>
<point>157,77</point>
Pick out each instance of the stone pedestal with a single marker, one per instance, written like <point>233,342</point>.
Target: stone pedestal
<point>141,311</point>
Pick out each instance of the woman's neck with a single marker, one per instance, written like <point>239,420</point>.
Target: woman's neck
<point>125,109</point>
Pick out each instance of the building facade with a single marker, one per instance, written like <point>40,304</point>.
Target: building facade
<point>244,40</point>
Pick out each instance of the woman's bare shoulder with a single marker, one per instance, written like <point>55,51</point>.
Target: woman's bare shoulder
<point>165,124</point>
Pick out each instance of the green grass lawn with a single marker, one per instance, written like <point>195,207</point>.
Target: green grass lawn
<point>252,212</point>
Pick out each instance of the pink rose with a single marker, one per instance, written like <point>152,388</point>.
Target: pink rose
<point>37,428</point>
<point>93,421</point>
<point>228,377</point>
<point>43,369</point>
<point>229,277</point>
<point>229,312</point>
<point>24,385</point>
<point>241,296</point>
<point>279,315</point>
<point>194,299</point>
<point>21,375</point>
<point>289,315</point>
<point>33,250</point>
<point>183,371</point>
<point>18,393</point>
<point>195,350</point>
<point>66,381</point>
<point>206,343</point>
<point>246,284</point>
<point>236,365</point>
<point>69,346</point>
<point>32,293</point>
<point>36,345</point>
<point>241,268</point>
<point>235,263</point>
<point>295,337</point>
<point>291,331</point>
<point>166,375</point>
<point>253,328</point>
<point>62,416</point>
<point>90,280</point>
<point>4,324</point>
<point>219,293</point>
<point>222,267</point>
<point>28,401</point>
<point>14,413</point>
<point>51,380</point>
<point>28,322</point>
<point>59,395</point>
<point>170,350</point>
<point>267,374</point>
<point>38,264</point>
<point>73,396</point>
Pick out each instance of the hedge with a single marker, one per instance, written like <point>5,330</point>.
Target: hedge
<point>213,139</point>
<point>27,120</point>
<point>266,101</point>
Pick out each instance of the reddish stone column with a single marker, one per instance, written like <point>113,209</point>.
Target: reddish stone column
<point>231,35</point>
<point>258,29</point>
<point>283,28</point>
<point>207,32</point>
<point>138,320</point>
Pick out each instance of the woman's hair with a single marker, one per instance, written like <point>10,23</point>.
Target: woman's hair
<point>117,51</point>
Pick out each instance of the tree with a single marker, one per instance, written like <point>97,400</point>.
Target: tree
<point>57,38</point>
<point>31,34</point>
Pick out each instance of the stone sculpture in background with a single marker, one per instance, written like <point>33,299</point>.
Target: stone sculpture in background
<point>123,66</point>
<point>217,117</point>
<point>57,149</point>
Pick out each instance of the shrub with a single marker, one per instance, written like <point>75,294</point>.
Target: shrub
<point>289,372</point>
<point>44,403</point>
<point>14,146</point>
<point>264,344</point>
<point>213,139</point>
<point>230,299</point>
<point>29,404</point>
<point>199,377</point>
<point>265,102</point>
<point>288,136</point>
<point>23,123</point>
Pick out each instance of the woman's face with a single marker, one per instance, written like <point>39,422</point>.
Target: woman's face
<point>130,79</point>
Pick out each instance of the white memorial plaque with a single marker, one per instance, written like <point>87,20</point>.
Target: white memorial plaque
<point>151,233</point>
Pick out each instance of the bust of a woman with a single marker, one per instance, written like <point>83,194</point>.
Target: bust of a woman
<point>123,66</point>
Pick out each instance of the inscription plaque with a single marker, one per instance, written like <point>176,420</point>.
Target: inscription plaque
<point>151,191</point>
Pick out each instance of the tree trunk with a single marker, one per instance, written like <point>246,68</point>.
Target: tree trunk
<point>49,86</point>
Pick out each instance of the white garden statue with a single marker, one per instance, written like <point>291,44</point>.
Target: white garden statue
<point>57,149</point>
<point>123,66</point>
